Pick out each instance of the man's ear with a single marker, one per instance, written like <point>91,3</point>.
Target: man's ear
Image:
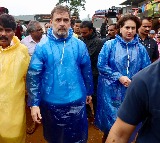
<point>51,21</point>
<point>91,30</point>
<point>120,30</point>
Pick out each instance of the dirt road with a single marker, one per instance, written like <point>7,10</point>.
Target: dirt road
<point>95,136</point>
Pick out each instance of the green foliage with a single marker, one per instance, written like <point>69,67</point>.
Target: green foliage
<point>74,5</point>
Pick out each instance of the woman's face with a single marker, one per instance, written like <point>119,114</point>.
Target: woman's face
<point>128,30</point>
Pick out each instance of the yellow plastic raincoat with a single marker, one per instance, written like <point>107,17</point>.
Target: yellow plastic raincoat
<point>14,62</point>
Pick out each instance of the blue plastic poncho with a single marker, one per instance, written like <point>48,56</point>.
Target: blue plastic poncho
<point>117,58</point>
<point>58,80</point>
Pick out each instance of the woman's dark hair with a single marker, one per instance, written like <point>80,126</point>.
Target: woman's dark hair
<point>122,20</point>
<point>7,21</point>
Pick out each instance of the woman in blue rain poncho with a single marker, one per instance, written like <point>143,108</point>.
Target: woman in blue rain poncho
<point>118,61</point>
<point>58,81</point>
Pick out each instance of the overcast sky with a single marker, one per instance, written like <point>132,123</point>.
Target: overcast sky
<point>29,7</point>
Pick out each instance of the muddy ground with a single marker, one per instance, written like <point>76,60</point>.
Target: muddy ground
<point>95,136</point>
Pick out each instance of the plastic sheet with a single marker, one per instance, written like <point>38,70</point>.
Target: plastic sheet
<point>14,63</point>
<point>65,123</point>
<point>60,74</point>
<point>112,64</point>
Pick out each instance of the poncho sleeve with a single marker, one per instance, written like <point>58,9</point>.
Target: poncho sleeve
<point>104,69</point>
<point>87,71</point>
<point>34,78</point>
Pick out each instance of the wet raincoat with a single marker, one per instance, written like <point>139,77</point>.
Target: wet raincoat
<point>58,80</point>
<point>14,62</point>
<point>117,58</point>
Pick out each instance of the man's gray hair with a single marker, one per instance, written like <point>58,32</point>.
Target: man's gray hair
<point>60,9</point>
<point>32,26</point>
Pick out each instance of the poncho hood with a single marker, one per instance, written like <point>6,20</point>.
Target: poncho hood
<point>134,41</point>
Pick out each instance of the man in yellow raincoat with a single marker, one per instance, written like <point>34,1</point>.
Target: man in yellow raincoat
<point>14,60</point>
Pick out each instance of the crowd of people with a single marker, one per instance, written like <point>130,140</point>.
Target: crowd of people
<point>63,69</point>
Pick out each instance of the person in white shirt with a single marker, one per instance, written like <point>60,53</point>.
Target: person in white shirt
<point>35,31</point>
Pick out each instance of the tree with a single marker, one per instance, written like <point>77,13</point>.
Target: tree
<point>74,6</point>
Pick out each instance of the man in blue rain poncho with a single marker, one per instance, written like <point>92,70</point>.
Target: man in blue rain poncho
<point>59,82</point>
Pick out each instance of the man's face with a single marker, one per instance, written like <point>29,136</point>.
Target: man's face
<point>6,36</point>
<point>76,28</point>
<point>60,24</point>
<point>85,32</point>
<point>145,27</point>
<point>112,31</point>
<point>37,34</point>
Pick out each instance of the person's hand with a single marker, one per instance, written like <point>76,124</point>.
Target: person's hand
<point>88,99</point>
<point>125,81</point>
<point>36,115</point>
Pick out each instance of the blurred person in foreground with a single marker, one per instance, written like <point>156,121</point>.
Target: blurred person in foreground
<point>141,104</point>
<point>59,82</point>
<point>118,61</point>
<point>14,61</point>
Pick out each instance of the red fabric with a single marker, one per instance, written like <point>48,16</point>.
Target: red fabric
<point>18,32</point>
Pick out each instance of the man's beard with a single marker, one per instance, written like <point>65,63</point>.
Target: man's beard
<point>62,33</point>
